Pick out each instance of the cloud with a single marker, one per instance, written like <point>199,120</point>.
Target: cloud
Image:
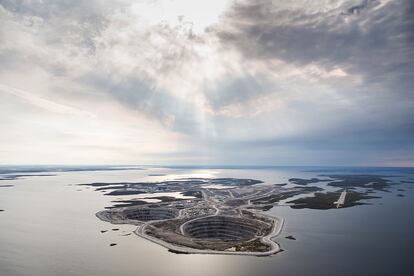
<point>357,65</point>
<point>82,45</point>
<point>373,44</point>
<point>43,103</point>
<point>293,77</point>
<point>356,9</point>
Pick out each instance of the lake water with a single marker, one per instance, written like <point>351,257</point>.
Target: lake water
<point>48,227</point>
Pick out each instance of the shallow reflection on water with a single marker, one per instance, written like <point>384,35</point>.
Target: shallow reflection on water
<point>49,228</point>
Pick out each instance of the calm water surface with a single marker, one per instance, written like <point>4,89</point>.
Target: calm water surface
<point>49,228</point>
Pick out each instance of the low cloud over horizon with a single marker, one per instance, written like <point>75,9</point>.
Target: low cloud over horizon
<point>219,82</point>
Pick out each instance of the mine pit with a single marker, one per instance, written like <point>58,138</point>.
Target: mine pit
<point>149,214</point>
<point>223,228</point>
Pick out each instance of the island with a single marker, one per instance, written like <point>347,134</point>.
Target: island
<point>217,216</point>
<point>224,215</point>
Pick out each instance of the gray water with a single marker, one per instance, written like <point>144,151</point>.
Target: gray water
<point>49,228</point>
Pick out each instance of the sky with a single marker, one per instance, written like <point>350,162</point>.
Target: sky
<point>177,82</point>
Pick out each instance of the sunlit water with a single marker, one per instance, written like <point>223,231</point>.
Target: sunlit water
<point>49,228</point>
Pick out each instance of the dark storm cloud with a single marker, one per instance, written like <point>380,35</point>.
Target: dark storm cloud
<point>371,40</point>
<point>376,42</point>
<point>360,7</point>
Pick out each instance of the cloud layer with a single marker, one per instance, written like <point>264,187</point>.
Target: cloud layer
<point>242,82</point>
